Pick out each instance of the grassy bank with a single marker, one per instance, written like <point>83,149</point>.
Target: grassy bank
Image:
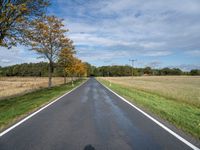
<point>13,109</point>
<point>184,89</point>
<point>182,115</point>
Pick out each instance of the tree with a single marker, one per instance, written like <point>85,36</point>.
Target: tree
<point>14,15</point>
<point>170,71</point>
<point>75,67</point>
<point>65,56</point>
<point>176,71</point>
<point>90,69</point>
<point>148,71</point>
<point>47,38</point>
<point>82,72</point>
<point>195,72</point>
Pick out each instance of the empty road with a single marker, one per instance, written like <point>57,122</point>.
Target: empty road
<point>90,118</point>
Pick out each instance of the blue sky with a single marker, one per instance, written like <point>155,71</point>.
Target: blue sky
<point>158,33</point>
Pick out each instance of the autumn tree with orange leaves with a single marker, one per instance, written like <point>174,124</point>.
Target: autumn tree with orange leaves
<point>75,68</point>
<point>47,38</point>
<point>65,56</point>
<point>14,18</point>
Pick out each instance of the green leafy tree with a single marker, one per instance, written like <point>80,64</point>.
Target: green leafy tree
<point>195,72</point>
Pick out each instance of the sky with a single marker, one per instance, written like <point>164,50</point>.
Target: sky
<point>157,33</point>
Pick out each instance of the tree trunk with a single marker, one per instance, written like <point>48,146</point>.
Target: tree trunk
<point>1,41</point>
<point>50,74</point>
<point>2,36</point>
<point>65,80</point>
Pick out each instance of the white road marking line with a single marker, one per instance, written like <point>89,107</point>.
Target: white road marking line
<point>33,114</point>
<point>154,120</point>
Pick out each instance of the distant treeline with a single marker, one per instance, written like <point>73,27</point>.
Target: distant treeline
<point>128,71</point>
<point>41,70</point>
<point>32,69</point>
<point>29,69</point>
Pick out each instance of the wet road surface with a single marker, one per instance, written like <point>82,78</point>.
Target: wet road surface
<point>93,118</point>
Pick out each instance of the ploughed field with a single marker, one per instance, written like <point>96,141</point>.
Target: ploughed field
<point>12,86</point>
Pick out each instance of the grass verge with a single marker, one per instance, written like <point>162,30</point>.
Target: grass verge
<point>13,109</point>
<point>183,116</point>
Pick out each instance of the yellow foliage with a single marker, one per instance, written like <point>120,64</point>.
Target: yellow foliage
<point>23,8</point>
<point>76,67</point>
<point>15,17</point>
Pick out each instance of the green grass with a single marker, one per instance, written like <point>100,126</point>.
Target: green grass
<point>13,109</point>
<point>182,115</point>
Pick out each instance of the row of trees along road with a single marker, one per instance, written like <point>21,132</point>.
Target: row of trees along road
<point>25,22</point>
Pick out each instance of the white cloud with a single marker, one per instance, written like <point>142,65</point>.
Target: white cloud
<point>17,55</point>
<point>5,61</point>
<point>194,53</point>
<point>109,29</point>
<point>154,64</point>
<point>105,55</point>
<point>152,44</point>
<point>142,26</point>
<point>95,40</point>
<point>157,53</point>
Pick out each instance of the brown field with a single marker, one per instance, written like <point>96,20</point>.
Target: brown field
<point>11,86</point>
<point>180,88</point>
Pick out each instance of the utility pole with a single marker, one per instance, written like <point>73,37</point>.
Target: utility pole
<point>132,63</point>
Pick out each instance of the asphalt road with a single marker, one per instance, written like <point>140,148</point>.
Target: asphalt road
<point>90,118</point>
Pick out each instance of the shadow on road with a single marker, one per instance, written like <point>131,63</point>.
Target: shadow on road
<point>89,147</point>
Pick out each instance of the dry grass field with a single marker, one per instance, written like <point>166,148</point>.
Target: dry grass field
<point>17,107</point>
<point>172,98</point>
<point>11,86</point>
<point>180,88</point>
